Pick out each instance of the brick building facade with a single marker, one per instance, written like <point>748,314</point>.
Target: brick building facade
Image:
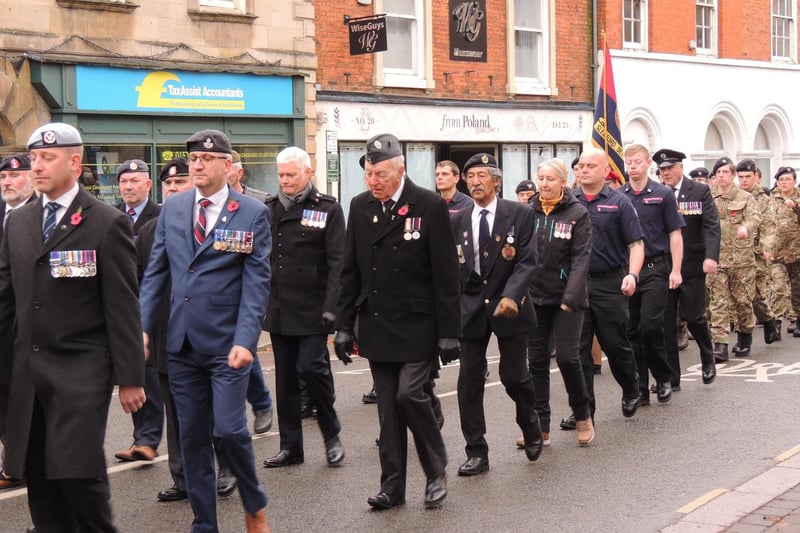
<point>137,77</point>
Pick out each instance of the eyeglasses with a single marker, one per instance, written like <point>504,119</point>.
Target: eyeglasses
<point>205,158</point>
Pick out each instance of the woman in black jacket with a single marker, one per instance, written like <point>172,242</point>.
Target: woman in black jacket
<point>558,292</point>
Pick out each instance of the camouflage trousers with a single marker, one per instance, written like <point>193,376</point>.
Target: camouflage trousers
<point>786,290</point>
<point>730,299</point>
<point>762,303</point>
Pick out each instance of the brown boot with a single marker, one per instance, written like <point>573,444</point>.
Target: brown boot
<point>584,431</point>
<point>256,523</point>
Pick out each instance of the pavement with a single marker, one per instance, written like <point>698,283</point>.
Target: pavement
<point>767,502</point>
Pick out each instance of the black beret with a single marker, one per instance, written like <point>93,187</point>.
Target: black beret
<point>209,141</point>
<point>575,162</point>
<point>132,165</point>
<point>525,185</point>
<point>174,167</point>
<point>699,172</point>
<point>785,170</point>
<point>721,162</point>
<point>746,165</point>
<point>480,160</point>
<point>380,148</point>
<point>55,135</point>
<point>15,162</point>
<point>667,158</point>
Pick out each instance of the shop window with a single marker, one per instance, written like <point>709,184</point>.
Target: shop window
<point>515,168</point>
<point>634,24</point>
<point>706,26</point>
<point>100,163</point>
<point>529,45</point>
<point>421,164</point>
<point>783,30</point>
<point>407,61</point>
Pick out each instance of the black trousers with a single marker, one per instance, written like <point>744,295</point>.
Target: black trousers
<point>689,302</point>
<point>148,422</point>
<point>646,322</point>
<point>63,505</point>
<point>552,319</point>
<point>607,317</point>
<point>403,404</point>
<point>173,433</point>
<point>303,357</point>
<point>515,378</point>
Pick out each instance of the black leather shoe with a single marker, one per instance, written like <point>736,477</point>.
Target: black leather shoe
<point>263,421</point>
<point>709,373</point>
<point>568,423</point>
<point>534,449</point>
<point>720,352</point>
<point>226,483</point>
<point>172,494</point>
<point>383,501</point>
<point>334,451</point>
<point>370,397</point>
<point>474,466</point>
<point>435,491</point>
<point>743,344</point>
<point>284,458</point>
<point>644,398</point>
<point>664,392</point>
<point>629,406</point>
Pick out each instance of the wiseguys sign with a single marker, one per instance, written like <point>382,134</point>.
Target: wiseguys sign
<point>367,35</point>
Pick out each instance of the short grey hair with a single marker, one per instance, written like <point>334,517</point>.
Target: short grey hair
<point>293,154</point>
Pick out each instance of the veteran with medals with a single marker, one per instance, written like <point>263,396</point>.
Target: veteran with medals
<point>497,241</point>
<point>308,246</point>
<point>559,295</point>
<point>76,336</point>
<point>404,293</point>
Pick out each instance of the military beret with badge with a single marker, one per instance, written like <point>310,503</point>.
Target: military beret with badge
<point>15,163</point>
<point>746,165</point>
<point>209,141</point>
<point>380,148</point>
<point>54,135</point>
<point>722,161</point>
<point>132,165</point>
<point>699,172</point>
<point>174,167</point>
<point>480,160</point>
<point>525,185</point>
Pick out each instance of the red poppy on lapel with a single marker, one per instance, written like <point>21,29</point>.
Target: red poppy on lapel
<point>76,217</point>
<point>233,205</point>
<point>403,210</point>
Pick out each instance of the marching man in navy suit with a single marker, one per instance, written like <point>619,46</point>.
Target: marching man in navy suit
<point>214,243</point>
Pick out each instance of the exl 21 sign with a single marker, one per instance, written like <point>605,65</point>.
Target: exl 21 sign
<point>367,35</point>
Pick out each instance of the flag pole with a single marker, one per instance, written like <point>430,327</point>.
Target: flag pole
<point>605,91</point>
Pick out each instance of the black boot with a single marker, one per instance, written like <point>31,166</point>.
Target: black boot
<point>770,333</point>
<point>778,326</point>
<point>720,352</point>
<point>797,328</point>
<point>743,344</point>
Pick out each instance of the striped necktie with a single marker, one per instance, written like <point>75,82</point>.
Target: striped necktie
<point>50,221</point>
<point>132,214</point>
<point>200,225</point>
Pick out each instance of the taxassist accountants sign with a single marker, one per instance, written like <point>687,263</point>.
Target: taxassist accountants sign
<point>119,89</point>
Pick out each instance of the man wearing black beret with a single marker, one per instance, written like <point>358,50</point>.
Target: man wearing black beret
<point>496,264</point>
<point>400,280</point>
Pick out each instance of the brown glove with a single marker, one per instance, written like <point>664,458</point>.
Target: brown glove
<point>507,308</point>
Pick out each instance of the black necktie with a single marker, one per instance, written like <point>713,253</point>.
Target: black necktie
<point>387,206</point>
<point>483,238</point>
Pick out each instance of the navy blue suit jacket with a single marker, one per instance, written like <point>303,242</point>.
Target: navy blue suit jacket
<point>218,298</point>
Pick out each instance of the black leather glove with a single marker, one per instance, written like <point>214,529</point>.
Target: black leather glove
<point>449,350</point>
<point>328,319</point>
<point>343,345</point>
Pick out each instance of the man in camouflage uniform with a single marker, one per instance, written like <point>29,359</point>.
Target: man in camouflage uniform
<point>786,267</point>
<point>734,280</point>
<point>750,182</point>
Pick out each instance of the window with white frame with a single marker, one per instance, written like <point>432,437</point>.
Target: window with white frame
<point>706,26</point>
<point>404,61</point>
<point>230,4</point>
<point>634,24</point>
<point>783,29</point>
<point>531,50</point>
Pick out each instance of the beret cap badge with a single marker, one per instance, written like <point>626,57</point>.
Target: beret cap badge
<point>48,137</point>
<point>485,159</point>
<point>377,145</point>
<point>208,143</point>
<point>14,163</point>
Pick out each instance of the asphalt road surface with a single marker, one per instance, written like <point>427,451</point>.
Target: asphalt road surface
<point>635,477</point>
